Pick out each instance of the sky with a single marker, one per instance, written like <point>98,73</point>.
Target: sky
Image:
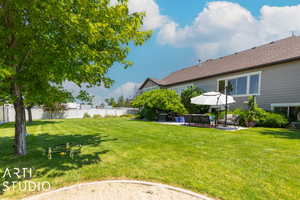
<point>185,31</point>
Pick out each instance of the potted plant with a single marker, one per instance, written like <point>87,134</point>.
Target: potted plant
<point>251,119</point>
<point>251,114</point>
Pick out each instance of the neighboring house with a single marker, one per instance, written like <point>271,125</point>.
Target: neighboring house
<point>271,72</point>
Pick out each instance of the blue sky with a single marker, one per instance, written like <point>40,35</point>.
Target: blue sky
<point>185,31</point>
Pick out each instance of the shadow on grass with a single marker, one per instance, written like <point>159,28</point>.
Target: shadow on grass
<point>38,160</point>
<point>34,123</point>
<point>282,133</point>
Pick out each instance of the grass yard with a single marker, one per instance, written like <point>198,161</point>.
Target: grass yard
<point>258,163</point>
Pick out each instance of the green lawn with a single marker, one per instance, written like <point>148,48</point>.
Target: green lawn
<point>258,163</point>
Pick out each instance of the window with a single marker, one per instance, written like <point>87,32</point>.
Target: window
<point>241,86</point>
<point>247,84</point>
<point>237,86</point>
<point>231,87</point>
<point>292,111</point>
<point>222,86</point>
<point>254,81</point>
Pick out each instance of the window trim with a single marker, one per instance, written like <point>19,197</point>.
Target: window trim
<point>273,105</point>
<point>248,83</point>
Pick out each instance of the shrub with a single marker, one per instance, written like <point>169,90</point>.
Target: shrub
<point>97,116</point>
<point>153,102</point>
<point>242,116</point>
<point>110,116</point>
<point>262,118</point>
<point>128,115</point>
<point>86,115</point>
<point>273,120</point>
<point>186,96</point>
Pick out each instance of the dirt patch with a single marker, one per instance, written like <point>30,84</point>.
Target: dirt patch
<point>120,190</point>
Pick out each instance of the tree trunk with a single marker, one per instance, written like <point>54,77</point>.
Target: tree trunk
<point>20,123</point>
<point>29,114</point>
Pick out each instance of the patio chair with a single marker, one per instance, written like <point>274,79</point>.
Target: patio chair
<point>187,120</point>
<point>231,120</point>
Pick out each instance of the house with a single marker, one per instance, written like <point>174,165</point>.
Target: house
<point>271,72</point>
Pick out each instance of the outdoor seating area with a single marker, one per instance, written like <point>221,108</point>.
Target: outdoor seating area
<point>200,120</point>
<point>215,99</point>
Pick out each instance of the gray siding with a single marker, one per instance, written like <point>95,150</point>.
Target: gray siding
<point>279,84</point>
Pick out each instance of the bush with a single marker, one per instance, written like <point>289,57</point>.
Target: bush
<point>273,120</point>
<point>110,116</point>
<point>242,116</point>
<point>86,115</point>
<point>97,116</point>
<point>128,115</point>
<point>153,102</point>
<point>148,113</point>
<point>186,96</point>
<point>262,118</point>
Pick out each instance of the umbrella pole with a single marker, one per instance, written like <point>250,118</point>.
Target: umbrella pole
<point>226,107</point>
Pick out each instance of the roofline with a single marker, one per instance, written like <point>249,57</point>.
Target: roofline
<point>144,83</point>
<point>233,71</point>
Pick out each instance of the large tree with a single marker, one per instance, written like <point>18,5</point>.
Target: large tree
<point>61,40</point>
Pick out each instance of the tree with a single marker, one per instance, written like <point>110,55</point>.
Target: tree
<point>186,96</point>
<point>111,102</point>
<point>121,101</point>
<point>127,103</point>
<point>154,102</point>
<point>61,40</point>
<point>84,96</point>
<point>54,108</point>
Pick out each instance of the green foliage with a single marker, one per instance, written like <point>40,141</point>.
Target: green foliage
<point>128,115</point>
<point>86,115</point>
<point>156,101</point>
<point>148,113</point>
<point>262,118</point>
<point>120,102</point>
<point>251,115</point>
<point>186,96</point>
<point>273,120</point>
<point>252,110</point>
<point>84,96</point>
<point>54,108</point>
<point>97,116</point>
<point>46,43</point>
<point>111,102</point>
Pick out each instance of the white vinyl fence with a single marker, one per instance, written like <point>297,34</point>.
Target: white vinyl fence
<point>7,113</point>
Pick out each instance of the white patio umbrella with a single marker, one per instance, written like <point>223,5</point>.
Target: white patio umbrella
<point>212,99</point>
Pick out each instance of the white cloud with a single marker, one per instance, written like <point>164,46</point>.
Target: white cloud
<point>153,19</point>
<point>128,89</point>
<point>223,27</point>
<point>101,93</point>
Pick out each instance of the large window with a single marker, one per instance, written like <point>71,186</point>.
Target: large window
<point>244,85</point>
